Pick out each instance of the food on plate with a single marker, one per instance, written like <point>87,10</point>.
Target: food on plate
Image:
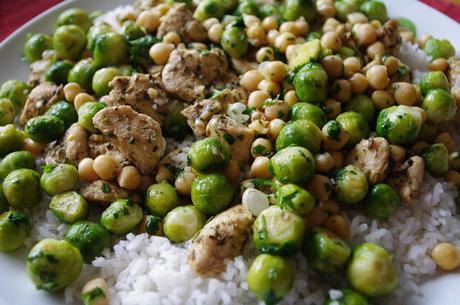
<point>219,152</point>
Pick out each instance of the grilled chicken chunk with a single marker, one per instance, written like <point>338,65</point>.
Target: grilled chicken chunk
<point>100,145</point>
<point>40,99</point>
<point>407,178</point>
<point>38,71</point>
<point>388,34</point>
<point>222,238</point>
<point>103,193</point>
<point>72,148</point>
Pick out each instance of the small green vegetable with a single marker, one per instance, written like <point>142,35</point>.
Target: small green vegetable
<point>161,198</point>
<point>110,49</point>
<point>16,160</point>
<point>183,222</point>
<point>16,91</point>
<point>234,41</point>
<point>355,124</point>
<point>86,113</point>
<point>381,202</point>
<point>212,193</point>
<point>293,165</point>
<point>349,297</point>
<point>439,48</point>
<point>296,199</point>
<point>69,207</point>
<point>361,104</point>
<point>351,185</point>
<point>76,16</point>
<point>69,41</point>
<point>306,111</point>
<point>439,105</point>
<point>82,73</point>
<point>311,83</point>
<point>14,229</point>
<point>400,125</point>
<point>65,112</point>
<point>121,216</point>
<point>7,111</point>
<point>58,178</point>
<point>102,78</point>
<point>303,133</point>
<point>14,185</point>
<point>35,45</point>
<point>209,154</point>
<point>58,72</point>
<point>436,159</point>
<point>375,10</point>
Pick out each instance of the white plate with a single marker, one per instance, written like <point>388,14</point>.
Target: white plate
<point>16,289</point>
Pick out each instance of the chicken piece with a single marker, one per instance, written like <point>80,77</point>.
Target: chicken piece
<point>407,178</point>
<point>239,136</point>
<point>40,99</point>
<point>454,70</point>
<point>137,136</point>
<point>143,92</point>
<point>72,148</point>
<point>231,82</point>
<point>242,65</point>
<point>103,193</point>
<point>100,145</point>
<point>38,71</point>
<point>222,238</point>
<point>388,34</point>
<point>180,20</point>
<point>189,71</point>
<point>372,157</point>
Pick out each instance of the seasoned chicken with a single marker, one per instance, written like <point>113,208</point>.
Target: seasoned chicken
<point>137,136</point>
<point>72,148</point>
<point>407,178</point>
<point>231,82</point>
<point>38,71</point>
<point>388,34</point>
<point>40,99</point>
<point>189,71</point>
<point>239,136</point>
<point>222,238</point>
<point>372,157</point>
<point>103,193</point>
<point>143,92</point>
<point>100,145</point>
<point>242,65</point>
<point>180,20</point>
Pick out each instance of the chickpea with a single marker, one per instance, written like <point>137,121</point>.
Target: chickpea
<point>86,170</point>
<point>446,256</point>
<point>302,27</point>
<point>163,174</point>
<point>274,128</point>
<point>364,33</point>
<point>336,141</point>
<point>404,93</point>
<point>333,65</point>
<point>172,37</point>
<point>208,23</point>
<point>325,10</point>
<point>215,32</point>
<point>320,187</point>
<point>351,65</point>
<point>382,99</point>
<point>333,108</point>
<point>129,178</point>
<point>418,93</point>
<point>331,40</point>
<point>392,64</point>
<point>71,90</point>
<point>290,97</point>
<point>290,50</point>
<point>338,225</point>
<point>275,70</point>
<point>184,182</point>
<point>422,40</point>
<point>270,87</point>
<point>250,20</point>
<point>261,147</point>
<point>265,54</point>
<point>270,23</point>
<point>330,25</point>
<point>288,27</point>
<point>338,157</point>
<point>341,90</point>
<point>272,35</point>
<point>439,64</point>
<point>260,168</point>
<point>284,40</point>
<point>160,52</point>
<point>359,83</point>
<point>33,147</point>
<point>397,153</point>
<point>82,98</point>
<point>105,167</point>
<point>250,80</point>
<point>407,36</point>
<point>232,171</point>
<point>453,176</point>
<point>324,163</point>
<point>257,98</point>
<point>98,284</point>
<point>357,18</point>
<point>277,110</point>
<point>377,48</point>
<point>162,8</point>
<point>329,206</point>
<point>377,77</point>
<point>422,112</point>
<point>259,126</point>
<point>446,139</point>
<point>456,95</point>
<point>257,33</point>
<point>316,217</point>
<point>149,20</point>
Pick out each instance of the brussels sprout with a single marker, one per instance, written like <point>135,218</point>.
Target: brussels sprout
<point>183,222</point>
<point>14,228</point>
<point>175,124</point>
<point>11,139</point>
<point>375,10</point>
<point>65,112</point>
<point>313,36</point>
<point>121,216</point>
<point>345,7</point>
<point>3,202</point>
<point>381,202</point>
<point>355,124</point>
<point>363,275</point>
<point>325,252</point>
<point>306,111</point>
<point>349,297</point>
<point>7,111</point>
<point>269,9</point>
<point>439,105</point>
<point>296,199</point>
<point>86,113</point>
<point>293,165</point>
<point>439,48</point>
<point>152,225</point>
<point>346,52</point>
<point>303,133</point>
<point>234,41</point>
<point>35,45</point>
<point>436,159</point>
<point>362,104</point>
<point>428,132</point>
<point>209,154</point>
<point>131,30</point>
<point>102,78</point>
<point>351,185</point>
<point>434,80</point>
<point>69,41</point>
<point>44,128</point>
<point>209,8</point>
<point>52,264</point>
<point>69,207</point>
<point>270,278</point>
<point>294,9</point>
<point>278,231</point>
<point>82,73</point>
<point>58,178</point>
<point>58,72</point>
<point>211,193</point>
<point>305,53</point>
<point>76,16</point>
<point>16,160</point>
<point>161,198</point>
<point>110,49</point>
<point>14,185</point>
<point>139,52</point>
<point>248,7</point>
<point>311,83</point>
<point>96,31</point>
<point>90,238</point>
<point>400,125</point>
<point>16,91</point>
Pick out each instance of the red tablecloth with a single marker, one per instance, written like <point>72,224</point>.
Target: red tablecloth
<point>14,13</point>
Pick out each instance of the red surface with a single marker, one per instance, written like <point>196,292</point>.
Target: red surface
<point>14,13</point>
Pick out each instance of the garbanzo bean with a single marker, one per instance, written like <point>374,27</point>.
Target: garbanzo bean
<point>446,139</point>
<point>392,64</point>
<point>324,163</point>
<point>439,64</point>
<point>404,93</point>
<point>270,23</point>
<point>331,40</point>
<point>129,178</point>
<point>364,33</point>
<point>250,80</point>
<point>261,147</point>
<point>265,54</point>
<point>377,77</point>
<point>276,110</point>
<point>320,187</point>
<point>256,33</point>
<point>422,40</point>
<point>149,20</point>
<point>284,40</point>
<point>377,48</point>
<point>184,182</point>
<point>71,90</point>
<point>160,52</point>
<point>341,90</point>
<point>86,171</point>
<point>215,32</point>
<point>446,256</point>
<point>250,20</point>
<point>275,70</point>
<point>257,98</point>
<point>397,153</point>
<point>33,147</point>
<point>333,136</point>
<point>357,18</point>
<point>333,108</point>
<point>333,65</point>
<point>382,99</point>
<point>330,25</point>
<point>290,97</point>
<point>208,23</point>
<point>359,83</point>
<point>288,27</point>
<point>351,66</point>
<point>105,167</point>
<point>81,99</point>
<point>338,225</point>
<point>274,128</point>
<point>302,27</point>
<point>260,168</point>
<point>172,37</point>
<point>270,87</point>
<point>272,35</point>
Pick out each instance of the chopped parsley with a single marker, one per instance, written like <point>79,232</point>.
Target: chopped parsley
<point>105,188</point>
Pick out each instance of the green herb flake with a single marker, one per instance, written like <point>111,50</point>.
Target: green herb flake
<point>105,188</point>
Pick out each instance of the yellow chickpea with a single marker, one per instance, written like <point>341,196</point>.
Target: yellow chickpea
<point>270,87</point>
<point>357,18</point>
<point>71,90</point>
<point>265,54</point>
<point>439,64</point>
<point>184,182</point>
<point>208,23</point>
<point>257,98</point>
<point>105,167</point>
<point>364,34</point>
<point>446,256</point>
<point>382,99</point>
<point>250,80</point>
<point>397,153</point>
<point>259,126</point>
<point>149,20</point>
<point>341,90</point>
<point>331,40</point>
<point>359,83</point>
<point>333,136</point>
<point>423,40</point>
<point>261,147</point>
<point>275,70</point>
<point>290,50</point>
<point>162,8</point>
<point>250,20</point>
<point>302,27</point>
<point>333,65</point>
<point>351,66</point>
<point>316,217</point>
<point>82,98</point>
<point>338,157</point>
<point>86,171</point>
<point>260,168</point>
<point>377,48</point>
<point>160,52</point>
<point>446,139</point>
<point>274,128</point>
<point>453,176</point>
<point>325,163</point>
<point>288,27</point>
<point>97,284</point>
<point>270,23</point>
<point>276,110</point>
<point>257,33</point>
<point>404,93</point>
<point>172,37</point>
<point>33,147</point>
<point>320,187</point>
<point>334,108</point>
<point>377,77</point>
<point>325,10</point>
<point>392,64</point>
<point>284,40</point>
<point>338,225</point>
<point>129,178</point>
<point>330,25</point>
<point>272,35</point>
<point>290,97</point>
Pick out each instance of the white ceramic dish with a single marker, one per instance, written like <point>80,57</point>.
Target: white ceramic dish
<point>16,289</point>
